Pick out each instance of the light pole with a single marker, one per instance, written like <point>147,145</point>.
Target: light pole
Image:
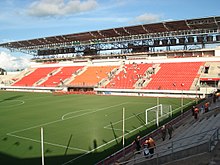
<point>197,88</point>
<point>182,98</point>
<point>206,89</point>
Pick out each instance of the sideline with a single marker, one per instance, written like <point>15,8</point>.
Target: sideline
<point>53,144</point>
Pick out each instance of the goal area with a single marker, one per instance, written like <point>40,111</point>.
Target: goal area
<point>158,113</point>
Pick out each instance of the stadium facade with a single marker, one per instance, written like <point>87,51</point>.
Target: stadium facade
<point>134,60</point>
<point>166,59</point>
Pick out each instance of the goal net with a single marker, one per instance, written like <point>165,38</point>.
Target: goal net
<point>158,113</point>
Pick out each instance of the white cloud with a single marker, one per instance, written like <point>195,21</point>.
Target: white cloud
<point>10,62</point>
<point>44,8</point>
<point>147,18</point>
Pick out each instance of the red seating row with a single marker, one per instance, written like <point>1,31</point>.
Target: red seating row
<point>35,76</point>
<point>129,75</point>
<point>92,75</point>
<point>175,76</point>
<point>58,78</point>
<point>170,76</point>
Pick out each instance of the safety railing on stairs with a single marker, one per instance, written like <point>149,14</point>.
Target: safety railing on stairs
<point>177,149</point>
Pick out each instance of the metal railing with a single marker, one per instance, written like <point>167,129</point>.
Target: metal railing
<point>177,149</point>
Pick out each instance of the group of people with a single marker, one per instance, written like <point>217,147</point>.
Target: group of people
<point>203,109</point>
<point>148,146</point>
<point>165,129</point>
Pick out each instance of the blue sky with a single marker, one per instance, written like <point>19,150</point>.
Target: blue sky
<point>28,19</point>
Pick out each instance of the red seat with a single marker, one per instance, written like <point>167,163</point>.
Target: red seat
<point>128,76</point>
<point>175,76</point>
<point>35,76</point>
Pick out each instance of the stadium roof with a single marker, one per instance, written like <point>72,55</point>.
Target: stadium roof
<point>211,23</point>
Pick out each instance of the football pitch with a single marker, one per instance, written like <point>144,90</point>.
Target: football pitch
<point>78,129</point>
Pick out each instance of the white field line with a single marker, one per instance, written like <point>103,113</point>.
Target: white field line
<point>116,129</point>
<point>93,149</point>
<point>21,103</point>
<point>40,125</point>
<point>60,120</point>
<point>94,111</point>
<point>70,161</point>
<point>63,117</point>
<point>108,126</point>
<point>120,121</point>
<point>53,144</point>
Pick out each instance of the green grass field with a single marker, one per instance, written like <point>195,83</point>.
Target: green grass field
<point>82,129</point>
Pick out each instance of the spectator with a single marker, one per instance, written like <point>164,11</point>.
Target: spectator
<point>206,107</point>
<point>193,110</point>
<point>170,130</point>
<point>151,145</point>
<point>163,132</point>
<point>196,112</point>
<point>137,143</point>
<point>146,150</point>
<point>214,98</point>
<point>202,109</point>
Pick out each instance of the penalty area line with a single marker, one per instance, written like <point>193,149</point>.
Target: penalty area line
<point>103,145</point>
<point>60,120</point>
<point>93,111</point>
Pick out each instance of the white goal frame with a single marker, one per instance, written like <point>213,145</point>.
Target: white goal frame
<point>159,112</point>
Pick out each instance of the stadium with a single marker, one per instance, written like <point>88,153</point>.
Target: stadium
<point>86,96</point>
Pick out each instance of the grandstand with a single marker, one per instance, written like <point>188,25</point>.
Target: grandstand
<point>179,59</point>
<point>139,60</point>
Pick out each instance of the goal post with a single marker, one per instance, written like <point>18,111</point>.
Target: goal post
<point>158,113</point>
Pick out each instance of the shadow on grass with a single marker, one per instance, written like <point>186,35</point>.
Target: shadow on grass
<point>11,98</point>
<point>26,149</point>
<point>89,159</point>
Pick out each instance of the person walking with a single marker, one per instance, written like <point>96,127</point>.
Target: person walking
<point>196,112</point>
<point>206,107</point>
<point>151,145</point>
<point>163,132</point>
<point>170,130</point>
<point>193,110</point>
<point>137,143</point>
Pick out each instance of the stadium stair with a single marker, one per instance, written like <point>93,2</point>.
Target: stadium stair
<point>150,71</point>
<point>128,76</point>
<point>78,72</point>
<point>22,74</point>
<point>111,74</point>
<point>187,136</point>
<point>213,72</point>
